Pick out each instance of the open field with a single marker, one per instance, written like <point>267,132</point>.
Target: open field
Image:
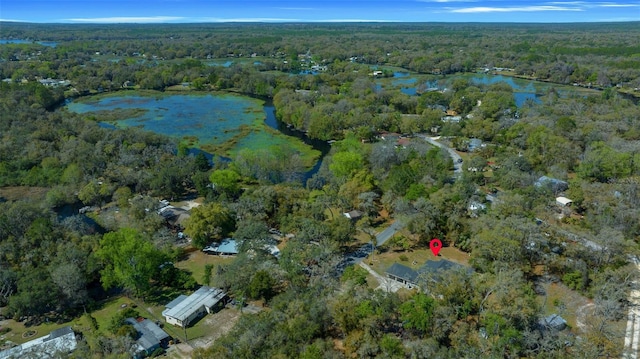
<point>15,193</point>
<point>197,260</point>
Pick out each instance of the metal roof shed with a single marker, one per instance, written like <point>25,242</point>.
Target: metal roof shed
<point>200,302</point>
<point>563,201</point>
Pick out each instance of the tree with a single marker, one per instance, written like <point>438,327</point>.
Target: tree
<point>211,221</point>
<point>252,235</point>
<point>345,164</point>
<point>418,313</point>
<point>7,285</point>
<point>129,261</point>
<point>225,181</point>
<point>122,196</point>
<point>72,283</point>
<point>206,277</point>
<point>34,296</point>
<point>261,285</point>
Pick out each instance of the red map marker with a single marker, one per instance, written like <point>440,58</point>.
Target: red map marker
<point>435,246</point>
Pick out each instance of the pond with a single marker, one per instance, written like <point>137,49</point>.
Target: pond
<point>22,41</point>
<point>218,123</point>
<point>205,119</point>
<point>412,84</point>
<point>223,63</point>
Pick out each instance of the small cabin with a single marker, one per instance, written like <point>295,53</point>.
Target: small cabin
<point>563,201</point>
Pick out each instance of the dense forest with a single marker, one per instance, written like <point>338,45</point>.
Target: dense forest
<point>516,239</point>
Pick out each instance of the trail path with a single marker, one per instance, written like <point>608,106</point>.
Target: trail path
<point>632,335</point>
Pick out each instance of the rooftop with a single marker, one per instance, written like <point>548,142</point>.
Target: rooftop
<point>227,246</point>
<point>403,272</point>
<point>150,334</point>
<point>205,296</point>
<point>431,269</point>
<point>62,340</point>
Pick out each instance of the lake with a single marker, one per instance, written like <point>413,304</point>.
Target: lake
<point>523,90</point>
<point>219,124</point>
<point>20,41</point>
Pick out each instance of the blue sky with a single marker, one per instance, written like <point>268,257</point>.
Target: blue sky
<point>184,11</point>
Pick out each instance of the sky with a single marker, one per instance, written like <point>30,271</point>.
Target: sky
<point>190,11</point>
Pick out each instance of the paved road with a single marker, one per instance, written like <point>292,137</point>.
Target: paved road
<point>388,232</point>
<point>457,160</point>
<point>632,335</point>
<point>365,250</point>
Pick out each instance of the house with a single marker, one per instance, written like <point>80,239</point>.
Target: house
<point>403,142</point>
<point>563,201</point>
<point>228,246</point>
<point>554,184</point>
<point>475,206</point>
<point>54,83</point>
<point>60,341</point>
<point>453,119</point>
<point>403,274</point>
<point>174,216</point>
<point>354,215</point>
<point>389,136</point>
<point>474,144</point>
<point>552,322</point>
<point>431,270</point>
<point>183,310</point>
<point>150,336</point>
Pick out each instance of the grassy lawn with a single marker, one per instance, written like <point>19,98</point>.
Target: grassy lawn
<point>14,193</point>
<point>20,334</point>
<point>561,300</point>
<point>197,260</point>
<point>415,258</point>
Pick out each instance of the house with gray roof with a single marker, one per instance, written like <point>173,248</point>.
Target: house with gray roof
<point>431,270</point>
<point>552,322</point>
<point>150,336</point>
<point>403,274</point>
<point>183,310</point>
<point>554,184</point>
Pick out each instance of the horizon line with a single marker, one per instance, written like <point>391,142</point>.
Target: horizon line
<point>296,21</point>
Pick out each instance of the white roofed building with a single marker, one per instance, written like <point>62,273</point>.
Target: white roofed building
<point>56,344</point>
<point>563,201</point>
<point>183,310</point>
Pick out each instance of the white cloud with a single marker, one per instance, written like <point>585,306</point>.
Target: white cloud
<point>240,19</point>
<point>473,10</point>
<point>618,5</point>
<point>128,19</point>
<point>567,3</point>
<point>585,4</point>
<point>12,20</point>
<point>447,1</point>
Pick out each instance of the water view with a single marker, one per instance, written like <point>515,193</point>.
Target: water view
<point>523,90</point>
<point>220,123</point>
<point>21,41</point>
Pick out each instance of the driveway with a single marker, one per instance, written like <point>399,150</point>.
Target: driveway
<point>386,284</point>
<point>632,334</point>
<point>365,250</point>
<point>457,160</point>
<point>388,232</point>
